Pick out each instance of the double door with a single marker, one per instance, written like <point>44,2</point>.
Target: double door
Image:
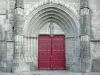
<point>51,52</point>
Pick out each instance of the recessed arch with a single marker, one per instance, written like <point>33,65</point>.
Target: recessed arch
<point>52,20</point>
<point>54,11</point>
<point>51,27</point>
<point>51,10</point>
<point>57,13</point>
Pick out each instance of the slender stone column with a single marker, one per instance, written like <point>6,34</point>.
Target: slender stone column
<point>85,36</point>
<point>10,38</point>
<point>18,64</point>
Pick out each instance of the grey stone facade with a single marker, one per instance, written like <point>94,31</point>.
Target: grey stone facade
<point>23,20</point>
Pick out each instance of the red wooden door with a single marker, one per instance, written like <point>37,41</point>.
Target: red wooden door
<point>51,54</point>
<point>58,52</point>
<point>44,53</point>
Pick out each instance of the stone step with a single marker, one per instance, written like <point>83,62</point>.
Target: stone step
<point>49,73</point>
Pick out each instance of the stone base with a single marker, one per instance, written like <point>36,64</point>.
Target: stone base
<point>60,72</point>
<point>96,65</point>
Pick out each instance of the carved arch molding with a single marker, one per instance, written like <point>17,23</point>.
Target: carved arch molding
<point>66,20</point>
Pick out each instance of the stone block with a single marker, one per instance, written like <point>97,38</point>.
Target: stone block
<point>96,65</point>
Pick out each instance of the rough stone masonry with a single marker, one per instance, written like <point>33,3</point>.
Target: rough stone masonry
<point>22,21</point>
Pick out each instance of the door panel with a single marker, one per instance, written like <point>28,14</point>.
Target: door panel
<point>58,65</point>
<point>51,52</point>
<point>58,52</point>
<point>44,65</point>
<point>44,52</point>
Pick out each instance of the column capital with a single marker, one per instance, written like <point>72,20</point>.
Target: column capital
<point>85,11</point>
<point>19,4</point>
<point>84,4</point>
<point>85,38</point>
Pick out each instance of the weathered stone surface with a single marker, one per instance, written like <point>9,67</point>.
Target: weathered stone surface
<point>80,48</point>
<point>96,65</point>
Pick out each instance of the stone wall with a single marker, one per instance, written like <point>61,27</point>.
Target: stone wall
<point>7,18</point>
<point>95,34</point>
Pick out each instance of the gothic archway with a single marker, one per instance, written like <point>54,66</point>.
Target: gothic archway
<point>67,21</point>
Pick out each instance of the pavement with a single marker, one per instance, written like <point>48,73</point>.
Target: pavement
<point>50,73</point>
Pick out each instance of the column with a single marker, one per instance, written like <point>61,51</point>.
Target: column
<point>85,36</point>
<point>10,38</point>
<point>19,65</point>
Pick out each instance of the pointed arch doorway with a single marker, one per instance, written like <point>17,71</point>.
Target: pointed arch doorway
<point>70,29</point>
